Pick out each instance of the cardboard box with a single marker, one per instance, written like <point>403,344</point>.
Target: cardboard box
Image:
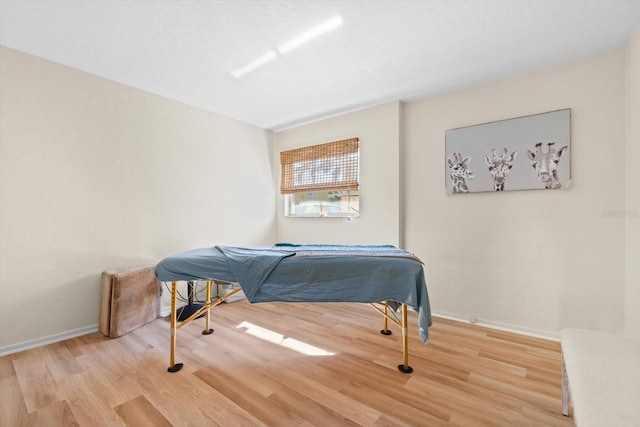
<point>130,299</point>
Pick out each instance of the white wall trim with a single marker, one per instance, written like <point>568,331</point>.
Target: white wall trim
<point>507,327</point>
<point>27,345</point>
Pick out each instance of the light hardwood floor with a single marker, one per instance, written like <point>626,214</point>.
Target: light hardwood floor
<point>466,376</point>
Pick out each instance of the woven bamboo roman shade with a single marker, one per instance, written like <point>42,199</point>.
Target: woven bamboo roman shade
<point>331,166</point>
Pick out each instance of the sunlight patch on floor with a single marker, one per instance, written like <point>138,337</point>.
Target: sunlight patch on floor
<point>276,338</point>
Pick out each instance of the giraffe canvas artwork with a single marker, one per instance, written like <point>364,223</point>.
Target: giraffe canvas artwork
<point>543,138</point>
<point>459,172</point>
<point>499,167</point>
<point>546,164</point>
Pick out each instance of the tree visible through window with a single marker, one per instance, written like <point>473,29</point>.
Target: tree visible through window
<point>322,180</point>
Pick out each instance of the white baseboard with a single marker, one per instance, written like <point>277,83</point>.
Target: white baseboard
<point>26,345</point>
<point>516,329</point>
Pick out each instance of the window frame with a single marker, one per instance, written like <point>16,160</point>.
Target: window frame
<point>350,212</point>
<point>322,168</point>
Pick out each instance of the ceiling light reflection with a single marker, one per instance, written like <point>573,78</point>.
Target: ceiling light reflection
<point>307,36</point>
<point>254,64</point>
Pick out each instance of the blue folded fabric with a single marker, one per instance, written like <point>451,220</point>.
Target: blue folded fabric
<point>311,273</point>
<point>316,250</point>
<point>251,266</point>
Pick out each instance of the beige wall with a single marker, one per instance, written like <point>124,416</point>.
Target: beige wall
<point>531,261</point>
<point>379,221</point>
<point>632,211</point>
<point>97,175</point>
<point>535,261</point>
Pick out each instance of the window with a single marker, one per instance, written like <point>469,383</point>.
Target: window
<point>322,180</point>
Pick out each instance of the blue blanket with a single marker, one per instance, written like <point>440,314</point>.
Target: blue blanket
<point>345,250</point>
<point>251,266</point>
<point>310,273</point>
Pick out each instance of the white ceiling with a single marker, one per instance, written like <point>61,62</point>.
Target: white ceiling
<point>384,50</point>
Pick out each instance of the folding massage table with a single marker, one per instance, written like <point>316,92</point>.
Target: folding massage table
<point>388,278</point>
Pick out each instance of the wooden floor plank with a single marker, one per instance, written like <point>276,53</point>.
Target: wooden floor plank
<point>324,395</point>
<point>467,376</point>
<point>140,413</point>
<point>13,410</point>
<point>254,403</point>
<point>310,410</point>
<point>92,398</point>
<point>37,386</point>
<point>6,367</point>
<point>57,414</point>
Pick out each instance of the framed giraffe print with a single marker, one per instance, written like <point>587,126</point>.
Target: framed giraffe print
<point>523,153</point>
